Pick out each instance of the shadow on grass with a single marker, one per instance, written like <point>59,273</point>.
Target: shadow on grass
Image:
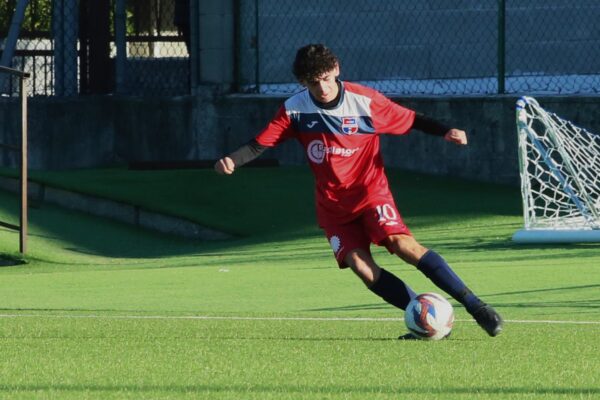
<point>94,236</point>
<point>355,307</point>
<point>546,290</point>
<point>278,201</point>
<point>507,244</point>
<point>7,260</point>
<point>580,305</point>
<point>314,390</point>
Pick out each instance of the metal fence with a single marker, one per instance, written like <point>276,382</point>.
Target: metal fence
<point>407,47</point>
<point>428,47</point>
<point>73,47</point>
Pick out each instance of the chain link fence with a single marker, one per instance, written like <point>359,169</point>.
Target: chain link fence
<point>406,47</point>
<point>71,47</point>
<point>31,50</point>
<point>430,47</point>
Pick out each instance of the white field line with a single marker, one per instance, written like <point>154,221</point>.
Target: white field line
<point>240,318</point>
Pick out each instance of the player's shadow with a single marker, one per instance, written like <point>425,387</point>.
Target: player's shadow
<point>354,307</point>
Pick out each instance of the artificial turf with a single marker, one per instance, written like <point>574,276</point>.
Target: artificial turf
<point>104,310</point>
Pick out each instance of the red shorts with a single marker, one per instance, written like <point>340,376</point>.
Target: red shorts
<point>374,225</point>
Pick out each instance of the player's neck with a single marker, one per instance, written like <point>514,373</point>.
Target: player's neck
<point>333,103</point>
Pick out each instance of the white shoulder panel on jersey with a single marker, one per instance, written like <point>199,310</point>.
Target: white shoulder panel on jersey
<point>352,104</point>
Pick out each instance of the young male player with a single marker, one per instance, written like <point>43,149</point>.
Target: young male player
<point>338,124</point>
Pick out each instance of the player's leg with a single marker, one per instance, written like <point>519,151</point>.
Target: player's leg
<point>384,225</point>
<point>381,282</point>
<point>351,246</point>
<point>434,267</point>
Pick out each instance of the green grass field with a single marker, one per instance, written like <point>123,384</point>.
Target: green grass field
<point>102,310</point>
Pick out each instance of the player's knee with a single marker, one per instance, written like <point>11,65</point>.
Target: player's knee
<point>407,248</point>
<point>363,265</point>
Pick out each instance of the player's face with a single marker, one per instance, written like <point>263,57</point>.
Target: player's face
<point>324,88</point>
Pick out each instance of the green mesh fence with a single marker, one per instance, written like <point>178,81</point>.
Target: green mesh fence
<point>70,46</point>
<point>429,47</point>
<point>407,47</point>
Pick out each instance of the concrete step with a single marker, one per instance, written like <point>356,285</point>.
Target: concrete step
<point>115,210</point>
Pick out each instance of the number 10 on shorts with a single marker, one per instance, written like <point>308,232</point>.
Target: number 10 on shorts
<point>387,214</point>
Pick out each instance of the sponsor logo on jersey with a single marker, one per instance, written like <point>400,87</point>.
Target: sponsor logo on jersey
<point>316,151</point>
<point>349,125</point>
<point>312,124</point>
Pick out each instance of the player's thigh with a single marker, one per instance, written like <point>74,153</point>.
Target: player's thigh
<point>382,220</point>
<point>386,227</point>
<point>406,247</point>
<point>345,238</point>
<point>362,264</point>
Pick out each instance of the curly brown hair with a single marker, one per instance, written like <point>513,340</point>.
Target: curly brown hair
<point>312,61</point>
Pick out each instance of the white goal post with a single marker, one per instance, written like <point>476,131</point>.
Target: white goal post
<point>559,164</point>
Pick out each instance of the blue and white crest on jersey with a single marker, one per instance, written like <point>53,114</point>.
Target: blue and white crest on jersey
<point>349,125</point>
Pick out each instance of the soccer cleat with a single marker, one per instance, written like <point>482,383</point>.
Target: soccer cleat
<point>488,319</point>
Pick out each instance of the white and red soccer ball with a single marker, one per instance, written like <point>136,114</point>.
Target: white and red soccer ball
<point>429,316</point>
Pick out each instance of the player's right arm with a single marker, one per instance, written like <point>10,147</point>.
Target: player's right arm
<point>225,166</point>
<point>277,131</point>
<point>243,155</point>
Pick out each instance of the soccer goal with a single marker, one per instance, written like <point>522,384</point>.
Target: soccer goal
<point>560,178</point>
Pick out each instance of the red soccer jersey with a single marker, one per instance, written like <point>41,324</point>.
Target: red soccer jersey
<point>342,146</point>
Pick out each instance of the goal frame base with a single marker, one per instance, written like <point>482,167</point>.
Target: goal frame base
<point>557,236</point>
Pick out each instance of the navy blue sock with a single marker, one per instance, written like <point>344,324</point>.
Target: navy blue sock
<point>435,268</point>
<point>392,289</point>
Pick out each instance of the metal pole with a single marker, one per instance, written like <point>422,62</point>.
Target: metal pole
<point>121,44</point>
<point>257,44</point>
<point>195,50</point>
<point>23,176</point>
<point>237,43</point>
<point>13,33</point>
<point>23,173</point>
<point>501,46</point>
<point>71,55</point>
<point>58,25</point>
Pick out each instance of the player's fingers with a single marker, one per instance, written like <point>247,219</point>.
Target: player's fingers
<point>457,136</point>
<point>222,167</point>
<point>218,167</point>
<point>229,165</point>
<point>461,137</point>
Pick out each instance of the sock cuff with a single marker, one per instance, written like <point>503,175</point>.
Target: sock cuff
<point>429,260</point>
<point>392,289</point>
<point>384,278</point>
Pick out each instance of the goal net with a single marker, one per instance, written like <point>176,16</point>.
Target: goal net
<point>560,177</point>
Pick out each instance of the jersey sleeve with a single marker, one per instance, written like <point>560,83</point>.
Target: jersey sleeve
<point>277,131</point>
<point>389,117</point>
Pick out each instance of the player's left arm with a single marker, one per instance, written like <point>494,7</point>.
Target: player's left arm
<point>393,118</point>
<point>436,128</point>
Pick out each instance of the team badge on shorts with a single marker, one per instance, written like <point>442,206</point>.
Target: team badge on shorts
<point>335,243</point>
<point>349,125</point>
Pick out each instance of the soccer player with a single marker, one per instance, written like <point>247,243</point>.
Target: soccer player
<point>338,124</point>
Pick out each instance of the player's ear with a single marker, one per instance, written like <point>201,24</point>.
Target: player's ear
<point>336,70</point>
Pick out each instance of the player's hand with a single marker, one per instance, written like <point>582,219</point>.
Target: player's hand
<point>225,166</point>
<point>456,136</point>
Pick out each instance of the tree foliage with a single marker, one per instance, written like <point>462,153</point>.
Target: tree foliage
<point>38,16</point>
